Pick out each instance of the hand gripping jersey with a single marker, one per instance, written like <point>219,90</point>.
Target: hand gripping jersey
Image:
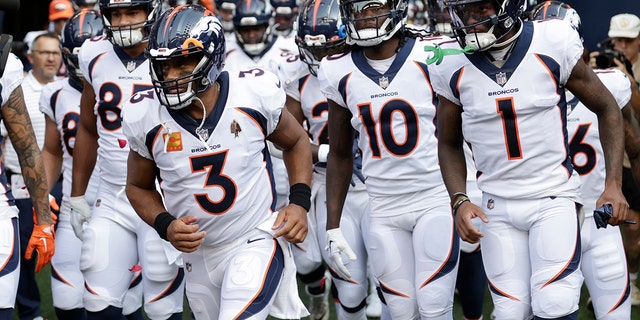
<point>10,80</point>
<point>586,151</point>
<point>115,77</point>
<point>394,114</point>
<point>514,117</point>
<point>222,175</point>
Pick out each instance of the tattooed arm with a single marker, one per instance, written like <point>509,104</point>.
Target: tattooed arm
<point>18,124</point>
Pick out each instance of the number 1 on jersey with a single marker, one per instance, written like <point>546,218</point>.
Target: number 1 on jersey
<point>510,128</point>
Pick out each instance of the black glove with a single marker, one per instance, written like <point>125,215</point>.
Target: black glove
<point>602,215</point>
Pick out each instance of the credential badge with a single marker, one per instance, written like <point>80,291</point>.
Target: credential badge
<point>501,78</point>
<point>383,82</point>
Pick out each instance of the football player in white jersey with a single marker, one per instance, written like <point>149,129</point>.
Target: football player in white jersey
<point>258,47</point>
<point>517,131</point>
<point>285,13</point>
<point>603,257</point>
<point>256,43</point>
<point>381,89</point>
<point>225,10</point>
<point>203,132</point>
<point>603,260</point>
<point>319,35</point>
<point>13,112</point>
<point>115,240</point>
<point>60,102</point>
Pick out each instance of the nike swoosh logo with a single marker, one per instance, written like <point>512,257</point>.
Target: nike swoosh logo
<point>254,240</point>
<point>44,241</point>
<point>278,84</point>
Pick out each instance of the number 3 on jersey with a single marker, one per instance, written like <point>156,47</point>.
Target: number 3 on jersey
<point>214,164</point>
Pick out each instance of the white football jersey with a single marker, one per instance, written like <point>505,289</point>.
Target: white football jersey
<point>514,117</point>
<point>227,183</point>
<point>115,77</point>
<point>60,101</point>
<point>10,80</point>
<point>586,151</point>
<point>394,113</point>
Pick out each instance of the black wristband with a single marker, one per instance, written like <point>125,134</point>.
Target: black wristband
<point>300,194</point>
<point>458,204</point>
<point>456,195</point>
<point>162,222</point>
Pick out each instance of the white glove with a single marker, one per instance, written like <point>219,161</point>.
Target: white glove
<point>80,213</point>
<point>274,151</point>
<point>336,245</point>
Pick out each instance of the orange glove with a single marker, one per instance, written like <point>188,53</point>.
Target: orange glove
<point>42,240</point>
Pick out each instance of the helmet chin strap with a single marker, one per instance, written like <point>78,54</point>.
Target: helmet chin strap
<point>199,128</point>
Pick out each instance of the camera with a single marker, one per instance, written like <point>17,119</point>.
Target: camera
<point>607,53</point>
<point>605,59</point>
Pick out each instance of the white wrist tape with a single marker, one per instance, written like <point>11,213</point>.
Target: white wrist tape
<point>323,152</point>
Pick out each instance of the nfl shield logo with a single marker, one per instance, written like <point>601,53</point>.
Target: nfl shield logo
<point>383,82</point>
<point>501,78</point>
<point>131,65</point>
<point>203,133</point>
<point>491,204</point>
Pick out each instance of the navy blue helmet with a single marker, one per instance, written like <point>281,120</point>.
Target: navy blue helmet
<point>250,14</point>
<point>186,31</point>
<point>507,17</point>
<point>81,26</point>
<point>320,31</point>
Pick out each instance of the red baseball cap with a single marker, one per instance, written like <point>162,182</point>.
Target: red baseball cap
<point>60,9</point>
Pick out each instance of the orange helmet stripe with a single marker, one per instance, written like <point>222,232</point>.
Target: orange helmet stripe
<point>316,7</point>
<point>170,16</point>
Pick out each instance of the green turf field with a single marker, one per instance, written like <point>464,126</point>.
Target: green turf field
<point>48,312</point>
